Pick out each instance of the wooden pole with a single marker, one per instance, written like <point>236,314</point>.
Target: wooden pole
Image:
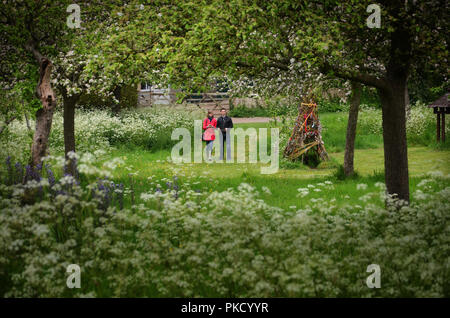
<point>443,127</point>
<point>438,127</point>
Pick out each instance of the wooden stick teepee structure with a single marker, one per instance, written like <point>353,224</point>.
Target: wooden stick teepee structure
<point>306,140</point>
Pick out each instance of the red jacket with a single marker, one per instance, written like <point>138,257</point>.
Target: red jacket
<point>209,132</point>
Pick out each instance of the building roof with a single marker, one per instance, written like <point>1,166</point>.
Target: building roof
<point>443,101</point>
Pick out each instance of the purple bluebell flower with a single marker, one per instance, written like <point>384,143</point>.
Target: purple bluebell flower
<point>37,172</point>
<point>62,192</point>
<point>105,188</point>
<point>50,176</point>
<point>19,173</point>
<point>77,172</point>
<point>176,188</point>
<point>10,170</point>
<point>8,161</point>
<point>101,186</point>
<point>28,173</point>
<point>120,196</point>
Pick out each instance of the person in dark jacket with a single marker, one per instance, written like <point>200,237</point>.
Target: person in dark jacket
<point>225,123</point>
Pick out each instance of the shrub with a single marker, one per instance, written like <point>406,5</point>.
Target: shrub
<point>332,105</point>
<point>288,164</point>
<point>274,107</point>
<point>185,243</point>
<point>281,107</point>
<point>16,142</point>
<point>420,124</point>
<point>339,174</point>
<point>370,122</point>
<point>99,129</point>
<point>129,99</point>
<point>243,111</point>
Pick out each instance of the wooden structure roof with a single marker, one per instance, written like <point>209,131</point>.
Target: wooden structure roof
<point>440,108</point>
<point>443,101</point>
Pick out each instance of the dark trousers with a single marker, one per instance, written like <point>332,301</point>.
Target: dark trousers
<point>223,140</point>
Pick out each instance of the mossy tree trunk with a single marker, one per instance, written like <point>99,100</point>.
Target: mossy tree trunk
<point>69,129</point>
<point>351,129</point>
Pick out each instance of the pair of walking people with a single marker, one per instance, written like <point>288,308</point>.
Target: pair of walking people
<point>224,123</point>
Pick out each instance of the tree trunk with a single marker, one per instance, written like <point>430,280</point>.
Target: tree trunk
<point>394,138</point>
<point>69,130</point>
<point>393,103</point>
<point>27,120</point>
<point>44,116</point>
<point>351,129</point>
<point>118,95</point>
<point>407,103</point>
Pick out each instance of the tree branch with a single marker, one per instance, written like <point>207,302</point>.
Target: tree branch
<point>37,55</point>
<point>365,79</point>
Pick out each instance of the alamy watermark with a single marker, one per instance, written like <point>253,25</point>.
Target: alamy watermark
<point>257,140</point>
<point>374,279</point>
<point>374,20</point>
<point>74,19</point>
<point>74,279</point>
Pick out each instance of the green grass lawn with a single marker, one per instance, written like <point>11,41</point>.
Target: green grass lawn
<point>335,130</point>
<point>283,184</point>
<point>152,168</point>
